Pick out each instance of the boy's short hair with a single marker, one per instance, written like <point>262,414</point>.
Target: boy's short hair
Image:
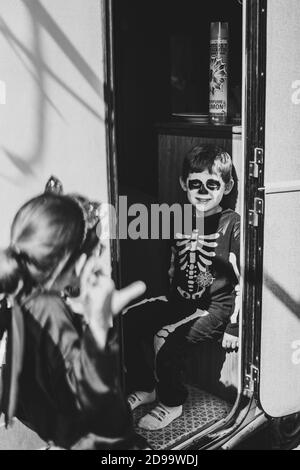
<point>208,157</point>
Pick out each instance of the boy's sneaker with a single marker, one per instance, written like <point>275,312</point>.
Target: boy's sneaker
<point>160,417</point>
<point>140,398</point>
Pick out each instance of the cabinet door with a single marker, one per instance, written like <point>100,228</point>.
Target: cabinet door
<point>280,336</point>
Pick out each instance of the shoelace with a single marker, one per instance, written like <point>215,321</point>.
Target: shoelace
<point>133,398</point>
<point>159,412</point>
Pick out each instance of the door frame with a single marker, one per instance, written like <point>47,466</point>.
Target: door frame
<point>253,220</point>
<point>110,129</point>
<point>255,21</point>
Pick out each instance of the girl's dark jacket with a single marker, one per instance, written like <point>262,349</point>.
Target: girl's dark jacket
<point>67,388</point>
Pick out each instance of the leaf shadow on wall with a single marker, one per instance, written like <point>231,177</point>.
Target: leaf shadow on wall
<point>282,295</point>
<point>41,71</point>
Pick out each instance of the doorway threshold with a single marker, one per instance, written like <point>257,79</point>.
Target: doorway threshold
<point>200,410</point>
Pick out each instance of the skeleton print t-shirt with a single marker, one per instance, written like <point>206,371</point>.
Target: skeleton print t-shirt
<point>205,263</point>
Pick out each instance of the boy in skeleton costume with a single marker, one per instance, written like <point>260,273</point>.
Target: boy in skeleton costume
<point>201,303</point>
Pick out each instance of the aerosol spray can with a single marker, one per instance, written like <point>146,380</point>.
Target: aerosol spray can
<point>218,74</point>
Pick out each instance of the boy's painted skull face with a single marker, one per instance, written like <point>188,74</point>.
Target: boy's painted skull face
<point>205,191</point>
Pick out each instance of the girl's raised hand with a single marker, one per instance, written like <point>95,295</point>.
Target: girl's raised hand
<point>100,298</point>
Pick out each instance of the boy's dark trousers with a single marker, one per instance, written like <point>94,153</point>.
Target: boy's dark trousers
<point>140,325</point>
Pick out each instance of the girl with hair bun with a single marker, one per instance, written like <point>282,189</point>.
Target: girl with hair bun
<point>61,382</point>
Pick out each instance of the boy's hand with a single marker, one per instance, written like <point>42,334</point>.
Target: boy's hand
<point>230,342</point>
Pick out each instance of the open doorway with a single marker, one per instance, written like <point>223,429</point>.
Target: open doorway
<point>161,68</point>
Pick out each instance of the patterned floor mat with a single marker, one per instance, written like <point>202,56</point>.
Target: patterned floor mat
<point>200,409</point>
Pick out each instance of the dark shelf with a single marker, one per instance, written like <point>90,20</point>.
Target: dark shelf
<point>194,128</point>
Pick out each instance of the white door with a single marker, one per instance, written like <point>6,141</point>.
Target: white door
<point>280,338</point>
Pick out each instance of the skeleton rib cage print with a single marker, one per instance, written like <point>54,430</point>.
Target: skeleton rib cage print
<point>195,253</point>
<point>205,261</point>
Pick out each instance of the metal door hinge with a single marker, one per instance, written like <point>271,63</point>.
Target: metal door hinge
<point>254,166</point>
<point>251,380</point>
<point>256,211</point>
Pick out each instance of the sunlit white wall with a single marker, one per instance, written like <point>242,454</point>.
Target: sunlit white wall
<point>52,122</point>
